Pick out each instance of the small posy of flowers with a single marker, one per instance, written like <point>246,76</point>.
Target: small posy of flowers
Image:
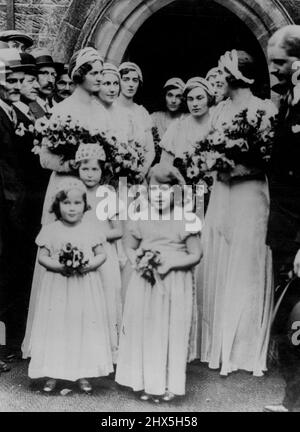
<point>73,259</point>
<point>147,262</point>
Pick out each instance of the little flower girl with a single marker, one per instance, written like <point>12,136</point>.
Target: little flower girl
<point>70,337</point>
<point>90,159</point>
<point>157,319</point>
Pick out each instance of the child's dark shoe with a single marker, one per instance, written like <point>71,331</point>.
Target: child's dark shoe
<point>85,386</point>
<point>49,385</point>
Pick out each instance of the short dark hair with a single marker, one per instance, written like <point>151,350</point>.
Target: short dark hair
<point>61,196</point>
<point>127,70</point>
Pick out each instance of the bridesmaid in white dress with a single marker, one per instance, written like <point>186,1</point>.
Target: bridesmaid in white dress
<point>119,123</point>
<point>173,92</point>
<point>85,70</point>
<point>181,137</point>
<point>141,123</point>
<point>237,303</point>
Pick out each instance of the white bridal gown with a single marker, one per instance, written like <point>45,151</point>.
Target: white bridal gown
<point>237,296</point>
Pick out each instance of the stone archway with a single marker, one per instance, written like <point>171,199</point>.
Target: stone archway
<point>111,24</point>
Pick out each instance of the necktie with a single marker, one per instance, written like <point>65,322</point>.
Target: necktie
<point>13,116</point>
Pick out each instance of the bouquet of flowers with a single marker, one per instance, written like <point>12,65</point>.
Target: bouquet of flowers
<point>147,262</point>
<point>247,137</point>
<point>62,136</point>
<point>124,160</point>
<point>73,259</point>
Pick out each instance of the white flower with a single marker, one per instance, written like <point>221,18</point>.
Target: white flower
<point>20,131</point>
<point>192,171</point>
<point>211,159</point>
<point>296,128</point>
<point>252,115</point>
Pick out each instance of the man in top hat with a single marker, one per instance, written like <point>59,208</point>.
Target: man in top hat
<point>47,72</point>
<point>64,86</point>
<point>12,248</point>
<point>16,39</point>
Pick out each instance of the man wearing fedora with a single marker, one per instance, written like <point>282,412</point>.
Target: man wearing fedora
<point>12,191</point>
<point>64,86</point>
<point>47,72</point>
<point>16,39</point>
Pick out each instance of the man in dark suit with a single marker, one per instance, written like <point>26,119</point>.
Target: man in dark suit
<point>64,86</point>
<point>47,71</point>
<point>284,221</point>
<point>34,179</point>
<point>11,191</point>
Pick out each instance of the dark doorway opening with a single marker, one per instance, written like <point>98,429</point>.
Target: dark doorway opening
<point>186,39</point>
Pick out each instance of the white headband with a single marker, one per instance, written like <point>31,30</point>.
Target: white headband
<point>132,66</point>
<point>176,82</point>
<point>199,82</point>
<point>230,62</point>
<point>111,68</point>
<point>86,55</point>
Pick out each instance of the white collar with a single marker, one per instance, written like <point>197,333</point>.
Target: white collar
<point>22,107</point>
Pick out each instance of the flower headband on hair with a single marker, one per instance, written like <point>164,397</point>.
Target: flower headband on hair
<point>86,55</point>
<point>132,66</point>
<point>90,151</point>
<point>229,62</point>
<point>111,68</point>
<point>175,82</point>
<point>199,82</point>
<point>67,184</point>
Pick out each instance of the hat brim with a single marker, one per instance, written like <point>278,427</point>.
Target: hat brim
<point>26,40</point>
<point>24,68</point>
<point>59,67</point>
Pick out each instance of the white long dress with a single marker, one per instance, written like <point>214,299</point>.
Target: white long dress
<point>179,138</point>
<point>70,337</point>
<point>237,295</point>
<point>93,116</point>
<point>109,272</point>
<point>156,326</point>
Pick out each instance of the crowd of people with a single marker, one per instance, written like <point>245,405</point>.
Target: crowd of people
<point>83,296</point>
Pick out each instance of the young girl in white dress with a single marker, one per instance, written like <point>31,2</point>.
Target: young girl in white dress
<point>70,338</point>
<point>156,326</point>
<point>90,159</point>
<point>85,69</point>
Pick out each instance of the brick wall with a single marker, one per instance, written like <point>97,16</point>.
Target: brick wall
<point>39,18</point>
<point>3,24</point>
